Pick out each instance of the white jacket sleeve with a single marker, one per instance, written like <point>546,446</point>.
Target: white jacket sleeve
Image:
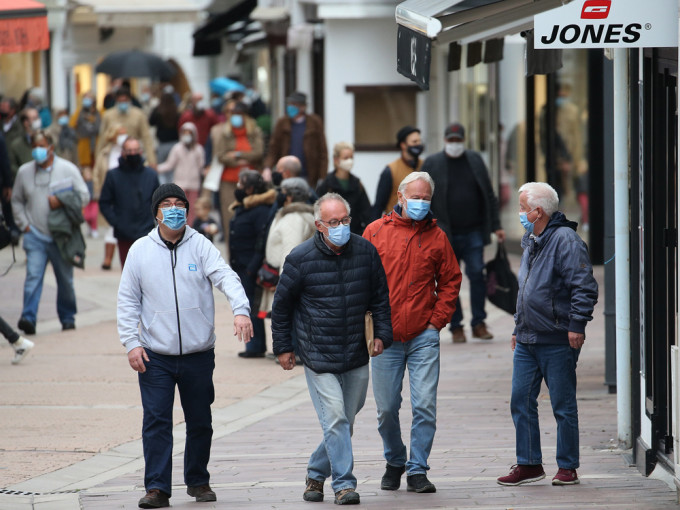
<point>130,303</point>
<point>224,278</point>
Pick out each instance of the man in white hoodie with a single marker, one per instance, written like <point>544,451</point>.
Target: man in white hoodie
<point>166,315</point>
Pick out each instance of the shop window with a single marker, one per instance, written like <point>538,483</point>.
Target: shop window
<point>379,112</point>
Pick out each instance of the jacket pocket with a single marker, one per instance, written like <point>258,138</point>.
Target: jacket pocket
<point>197,330</point>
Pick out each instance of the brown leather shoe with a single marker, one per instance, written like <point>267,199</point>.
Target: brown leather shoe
<point>154,499</point>
<point>202,493</point>
<point>480,331</point>
<point>458,335</point>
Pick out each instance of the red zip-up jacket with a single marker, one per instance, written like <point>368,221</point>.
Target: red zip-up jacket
<point>422,272</point>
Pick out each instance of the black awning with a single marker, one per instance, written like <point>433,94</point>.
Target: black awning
<point>216,24</point>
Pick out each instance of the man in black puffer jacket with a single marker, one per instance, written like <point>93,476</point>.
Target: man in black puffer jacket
<point>327,285</point>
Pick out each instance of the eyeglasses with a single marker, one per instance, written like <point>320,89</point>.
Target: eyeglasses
<point>166,203</point>
<point>334,223</point>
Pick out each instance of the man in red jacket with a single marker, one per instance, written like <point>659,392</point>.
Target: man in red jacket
<point>424,279</point>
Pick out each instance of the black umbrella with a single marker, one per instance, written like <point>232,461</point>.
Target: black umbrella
<point>134,63</point>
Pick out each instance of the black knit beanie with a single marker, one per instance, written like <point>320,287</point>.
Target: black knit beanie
<point>166,191</point>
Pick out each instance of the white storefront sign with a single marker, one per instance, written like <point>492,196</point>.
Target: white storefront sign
<point>608,24</point>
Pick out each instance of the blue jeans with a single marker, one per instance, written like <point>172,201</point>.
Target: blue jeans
<point>469,248</point>
<point>556,364</point>
<point>421,356</point>
<point>192,374</point>
<point>337,399</point>
<point>39,250</point>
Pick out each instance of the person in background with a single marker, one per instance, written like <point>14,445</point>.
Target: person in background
<point>198,113</point>
<point>91,210</point>
<point>21,345</point>
<point>10,126</point>
<point>21,148</point>
<point>64,136</point>
<point>203,223</point>
<point>35,98</point>
<point>348,186</point>
<point>164,118</point>
<point>410,145</point>
<point>9,119</point>
<point>86,122</point>
<point>186,161</point>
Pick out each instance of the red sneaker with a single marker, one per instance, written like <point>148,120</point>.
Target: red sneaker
<point>565,477</point>
<point>522,474</point>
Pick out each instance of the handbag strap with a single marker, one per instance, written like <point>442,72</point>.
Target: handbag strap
<point>14,259</point>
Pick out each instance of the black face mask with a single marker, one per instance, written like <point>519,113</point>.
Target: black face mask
<point>240,194</point>
<point>415,150</point>
<point>280,199</point>
<point>131,160</point>
<point>277,177</point>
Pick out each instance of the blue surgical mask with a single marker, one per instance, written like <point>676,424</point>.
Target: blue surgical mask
<point>292,111</point>
<point>174,217</point>
<point>123,107</point>
<point>528,226</point>
<point>236,120</point>
<point>339,235</point>
<point>39,154</point>
<point>63,120</point>
<point>87,102</point>
<point>417,209</point>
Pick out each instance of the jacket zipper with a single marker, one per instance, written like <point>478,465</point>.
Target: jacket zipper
<point>174,285</point>
<point>531,264</point>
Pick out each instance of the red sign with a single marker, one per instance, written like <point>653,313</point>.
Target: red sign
<point>596,9</point>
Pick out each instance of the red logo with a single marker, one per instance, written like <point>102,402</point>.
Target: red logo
<point>596,9</point>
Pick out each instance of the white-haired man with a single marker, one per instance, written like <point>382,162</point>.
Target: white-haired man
<point>557,294</point>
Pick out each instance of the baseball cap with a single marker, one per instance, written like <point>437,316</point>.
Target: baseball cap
<point>455,130</point>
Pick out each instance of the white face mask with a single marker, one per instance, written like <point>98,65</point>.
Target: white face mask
<point>454,149</point>
<point>120,139</point>
<point>346,164</point>
<point>36,125</point>
<point>187,139</point>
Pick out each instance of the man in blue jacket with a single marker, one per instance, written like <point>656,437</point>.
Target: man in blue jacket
<point>126,197</point>
<point>327,285</point>
<point>557,294</point>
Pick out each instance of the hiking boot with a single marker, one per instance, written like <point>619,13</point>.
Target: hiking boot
<point>419,483</point>
<point>347,497</point>
<point>391,480</point>
<point>522,474</point>
<point>154,499</point>
<point>26,326</point>
<point>202,493</point>
<point>313,491</point>
<point>458,335</point>
<point>21,348</point>
<point>565,477</point>
<point>480,331</point>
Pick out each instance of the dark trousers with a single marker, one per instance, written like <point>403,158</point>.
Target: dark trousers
<point>192,374</point>
<point>258,343</point>
<point>469,248</point>
<point>7,331</point>
<point>124,246</point>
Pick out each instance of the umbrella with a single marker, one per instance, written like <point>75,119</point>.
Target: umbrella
<point>134,63</point>
<point>223,85</point>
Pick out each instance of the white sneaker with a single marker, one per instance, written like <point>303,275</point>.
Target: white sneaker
<point>21,348</point>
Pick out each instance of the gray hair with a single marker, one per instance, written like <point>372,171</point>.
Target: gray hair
<point>326,197</point>
<point>297,188</point>
<point>414,176</point>
<point>541,194</point>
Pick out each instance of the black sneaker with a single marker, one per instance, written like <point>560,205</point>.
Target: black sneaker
<point>68,325</point>
<point>391,480</point>
<point>313,491</point>
<point>202,493</point>
<point>26,326</point>
<point>347,497</point>
<point>419,483</point>
<point>154,499</point>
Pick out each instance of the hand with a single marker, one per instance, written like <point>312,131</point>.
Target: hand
<point>513,342</point>
<point>7,194</point>
<point>136,358</point>
<point>378,347</point>
<point>27,229</point>
<point>576,340</point>
<point>287,360</point>
<point>267,174</point>
<point>500,235</point>
<point>243,328</point>
<point>54,202</point>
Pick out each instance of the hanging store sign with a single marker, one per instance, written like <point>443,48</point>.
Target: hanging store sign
<point>608,24</point>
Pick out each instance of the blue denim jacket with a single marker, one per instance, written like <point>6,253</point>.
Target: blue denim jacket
<point>557,290</point>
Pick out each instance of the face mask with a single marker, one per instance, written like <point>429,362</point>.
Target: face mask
<point>277,177</point>
<point>36,125</point>
<point>292,111</point>
<point>123,106</point>
<point>338,235</point>
<point>187,139</point>
<point>415,150</point>
<point>120,140</point>
<point>133,160</point>
<point>63,120</point>
<point>417,209</point>
<point>145,97</point>
<point>4,115</point>
<point>560,101</point>
<point>240,194</point>
<point>346,164</point>
<point>87,102</point>
<point>236,120</point>
<point>528,226</point>
<point>454,149</point>
<point>200,106</point>
<point>174,217</point>
<point>39,154</point>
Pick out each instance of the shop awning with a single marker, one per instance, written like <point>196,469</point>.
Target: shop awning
<point>462,21</point>
<point>234,22</point>
<point>23,26</point>
<point>136,13</point>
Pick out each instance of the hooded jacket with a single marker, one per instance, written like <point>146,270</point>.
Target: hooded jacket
<point>165,297</point>
<point>557,290</point>
<point>422,272</point>
<point>324,297</point>
<point>186,161</point>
